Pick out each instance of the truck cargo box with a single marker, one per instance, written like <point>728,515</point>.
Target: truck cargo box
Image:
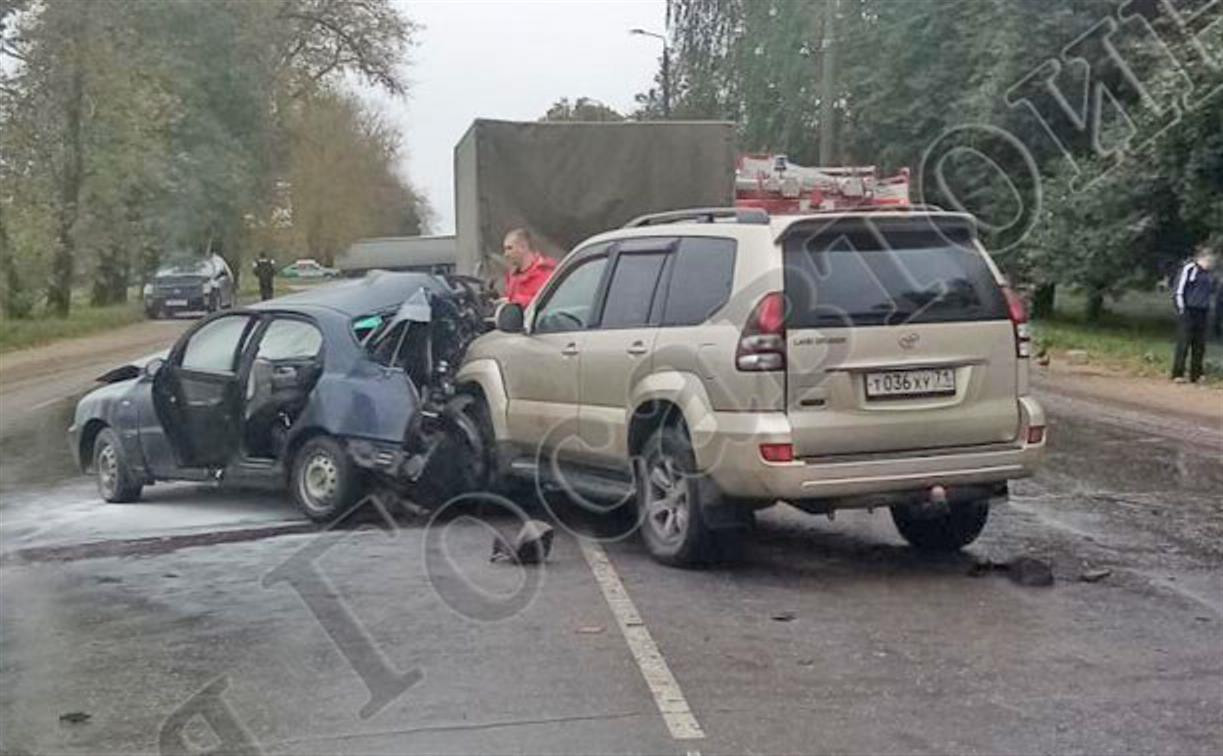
<point>569,181</point>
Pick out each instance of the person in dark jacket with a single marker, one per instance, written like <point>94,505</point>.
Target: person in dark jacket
<point>1192,291</point>
<point>265,271</point>
<point>1218,311</point>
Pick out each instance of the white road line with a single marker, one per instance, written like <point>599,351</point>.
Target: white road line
<point>47,403</point>
<point>667,694</point>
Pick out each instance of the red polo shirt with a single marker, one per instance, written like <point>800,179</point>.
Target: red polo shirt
<point>521,286</point>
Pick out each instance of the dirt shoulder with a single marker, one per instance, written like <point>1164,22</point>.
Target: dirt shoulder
<point>1198,404</point>
<point>104,349</point>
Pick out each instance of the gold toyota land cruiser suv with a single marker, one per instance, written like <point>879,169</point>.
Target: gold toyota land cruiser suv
<point>707,363</point>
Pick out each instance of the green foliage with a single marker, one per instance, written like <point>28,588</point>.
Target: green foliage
<point>133,130</point>
<point>907,72</point>
<point>41,327</point>
<point>581,109</point>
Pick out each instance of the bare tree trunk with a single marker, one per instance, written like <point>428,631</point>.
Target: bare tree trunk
<point>1095,306</point>
<point>16,304</point>
<point>59,293</point>
<point>1043,300</point>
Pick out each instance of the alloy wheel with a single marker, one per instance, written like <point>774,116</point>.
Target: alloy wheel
<point>667,504</point>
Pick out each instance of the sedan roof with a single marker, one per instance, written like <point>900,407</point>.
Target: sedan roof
<point>379,290</point>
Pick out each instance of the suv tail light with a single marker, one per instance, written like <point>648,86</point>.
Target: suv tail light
<point>762,345</point>
<point>1019,319</point>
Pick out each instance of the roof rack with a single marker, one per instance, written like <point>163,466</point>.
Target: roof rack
<point>752,215</point>
<point>917,207</point>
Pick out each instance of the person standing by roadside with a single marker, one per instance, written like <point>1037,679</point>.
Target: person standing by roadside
<point>1192,292</point>
<point>265,271</point>
<point>1218,311</point>
<point>529,269</point>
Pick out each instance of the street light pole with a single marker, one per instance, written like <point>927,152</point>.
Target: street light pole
<point>666,67</point>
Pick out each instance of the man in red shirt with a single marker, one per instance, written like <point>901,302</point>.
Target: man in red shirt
<point>529,268</point>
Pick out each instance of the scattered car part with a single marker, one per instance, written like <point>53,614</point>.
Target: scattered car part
<point>532,545</point>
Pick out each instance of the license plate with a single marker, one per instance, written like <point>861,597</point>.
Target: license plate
<point>176,303</point>
<point>928,382</point>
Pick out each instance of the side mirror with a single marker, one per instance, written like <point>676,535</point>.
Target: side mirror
<point>153,367</point>
<point>510,318</point>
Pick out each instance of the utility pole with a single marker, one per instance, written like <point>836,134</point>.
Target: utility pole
<point>666,80</point>
<point>828,85</point>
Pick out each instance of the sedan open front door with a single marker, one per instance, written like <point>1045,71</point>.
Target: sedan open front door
<point>197,395</point>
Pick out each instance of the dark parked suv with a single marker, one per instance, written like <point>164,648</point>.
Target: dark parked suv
<point>199,284</point>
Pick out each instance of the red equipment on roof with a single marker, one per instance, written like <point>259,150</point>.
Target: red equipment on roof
<point>777,186</point>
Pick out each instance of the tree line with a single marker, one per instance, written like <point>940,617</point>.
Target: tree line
<point>132,132</point>
<point>1086,134</point>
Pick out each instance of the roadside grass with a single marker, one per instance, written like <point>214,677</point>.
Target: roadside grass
<point>1136,334</point>
<point>42,327</point>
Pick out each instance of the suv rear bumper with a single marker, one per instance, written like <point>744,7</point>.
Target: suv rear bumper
<point>729,452</point>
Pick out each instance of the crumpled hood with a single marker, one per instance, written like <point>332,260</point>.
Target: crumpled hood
<point>131,369</point>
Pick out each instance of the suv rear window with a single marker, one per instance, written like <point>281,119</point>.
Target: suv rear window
<point>855,274</point>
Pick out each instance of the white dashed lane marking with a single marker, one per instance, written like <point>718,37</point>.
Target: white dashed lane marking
<point>667,694</point>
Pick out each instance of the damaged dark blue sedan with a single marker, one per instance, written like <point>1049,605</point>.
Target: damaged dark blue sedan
<point>328,392</point>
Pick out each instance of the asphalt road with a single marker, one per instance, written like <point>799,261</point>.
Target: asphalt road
<point>201,618</point>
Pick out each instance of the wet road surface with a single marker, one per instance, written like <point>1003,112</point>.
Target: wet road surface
<point>202,617</point>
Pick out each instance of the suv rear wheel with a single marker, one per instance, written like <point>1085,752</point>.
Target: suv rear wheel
<point>960,526</point>
<point>324,481</point>
<point>672,499</point>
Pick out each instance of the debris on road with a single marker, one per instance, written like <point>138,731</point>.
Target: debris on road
<point>590,629</point>
<point>784,617</point>
<point>1094,575</point>
<point>74,717</point>
<point>1030,572</point>
<point>532,545</point>
<point>1027,571</point>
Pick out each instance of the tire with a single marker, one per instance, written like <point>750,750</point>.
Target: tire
<point>678,533</point>
<point>324,482</point>
<point>116,481</point>
<point>952,531</point>
<point>214,302</point>
<point>464,461</point>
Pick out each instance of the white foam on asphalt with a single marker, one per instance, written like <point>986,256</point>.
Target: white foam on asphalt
<point>667,694</point>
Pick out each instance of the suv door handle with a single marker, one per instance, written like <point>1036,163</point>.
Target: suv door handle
<point>637,347</point>
<point>570,349</point>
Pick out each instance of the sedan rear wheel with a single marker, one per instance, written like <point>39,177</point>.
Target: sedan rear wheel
<point>324,481</point>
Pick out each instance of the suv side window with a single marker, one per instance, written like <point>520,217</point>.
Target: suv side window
<point>214,348</point>
<point>631,292</point>
<point>570,306</point>
<point>701,279</point>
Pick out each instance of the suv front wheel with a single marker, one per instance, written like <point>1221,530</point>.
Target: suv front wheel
<point>672,501</point>
<point>956,528</point>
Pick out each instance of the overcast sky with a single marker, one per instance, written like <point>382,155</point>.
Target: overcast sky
<point>511,60</point>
